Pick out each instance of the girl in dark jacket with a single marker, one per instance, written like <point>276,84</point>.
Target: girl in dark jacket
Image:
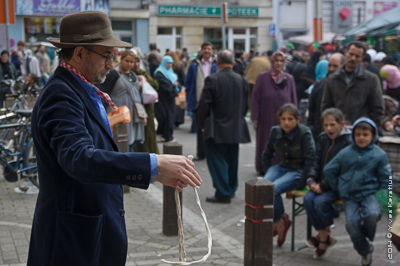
<point>318,201</point>
<point>294,143</point>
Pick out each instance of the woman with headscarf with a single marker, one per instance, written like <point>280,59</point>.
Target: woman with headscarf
<point>179,70</point>
<point>314,101</point>
<point>309,75</point>
<point>7,71</point>
<point>124,93</point>
<point>391,80</point>
<point>165,107</point>
<point>150,143</point>
<point>272,89</point>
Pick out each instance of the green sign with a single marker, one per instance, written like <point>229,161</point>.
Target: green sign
<point>206,11</point>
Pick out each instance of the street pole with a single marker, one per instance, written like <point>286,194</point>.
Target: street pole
<point>6,25</point>
<point>224,19</point>
<point>278,33</point>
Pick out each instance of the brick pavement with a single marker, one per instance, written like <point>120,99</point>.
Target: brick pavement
<point>147,244</point>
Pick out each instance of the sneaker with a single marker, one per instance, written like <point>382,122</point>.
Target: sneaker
<point>366,260</point>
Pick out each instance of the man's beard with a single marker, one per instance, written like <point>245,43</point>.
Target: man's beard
<point>95,77</point>
<point>100,77</point>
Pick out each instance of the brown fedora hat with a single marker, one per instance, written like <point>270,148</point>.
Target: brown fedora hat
<point>86,28</point>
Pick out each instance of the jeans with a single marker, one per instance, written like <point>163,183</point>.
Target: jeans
<point>319,208</point>
<point>285,179</point>
<point>361,218</point>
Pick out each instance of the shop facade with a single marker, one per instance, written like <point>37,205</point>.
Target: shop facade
<point>187,25</point>
<point>36,20</point>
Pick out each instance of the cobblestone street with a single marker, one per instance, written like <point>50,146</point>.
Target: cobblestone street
<point>147,244</point>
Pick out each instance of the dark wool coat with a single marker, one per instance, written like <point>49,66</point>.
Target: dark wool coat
<point>362,97</point>
<point>79,215</point>
<point>223,106</point>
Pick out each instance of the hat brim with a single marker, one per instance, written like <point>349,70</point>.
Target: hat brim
<point>112,42</point>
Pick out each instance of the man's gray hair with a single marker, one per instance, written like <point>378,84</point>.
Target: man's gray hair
<point>226,57</point>
<point>342,57</point>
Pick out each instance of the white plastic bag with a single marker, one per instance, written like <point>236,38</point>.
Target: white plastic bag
<point>150,95</point>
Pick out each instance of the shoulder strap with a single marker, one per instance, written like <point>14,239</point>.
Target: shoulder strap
<point>125,84</point>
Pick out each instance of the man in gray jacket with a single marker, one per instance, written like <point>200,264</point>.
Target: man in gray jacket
<point>354,90</point>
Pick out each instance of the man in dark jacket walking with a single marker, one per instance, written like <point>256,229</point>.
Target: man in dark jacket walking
<point>352,89</point>
<point>220,113</point>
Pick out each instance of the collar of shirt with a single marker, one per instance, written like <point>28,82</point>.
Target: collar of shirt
<point>204,62</point>
<point>348,77</point>
<point>92,92</point>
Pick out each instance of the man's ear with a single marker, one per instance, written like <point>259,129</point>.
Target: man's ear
<point>79,55</point>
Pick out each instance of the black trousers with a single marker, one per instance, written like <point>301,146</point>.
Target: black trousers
<point>200,147</point>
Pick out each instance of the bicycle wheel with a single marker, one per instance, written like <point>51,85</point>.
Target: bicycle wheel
<point>30,160</point>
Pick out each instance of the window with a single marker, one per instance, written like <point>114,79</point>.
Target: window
<point>164,31</point>
<point>214,36</point>
<point>121,25</point>
<point>242,39</point>
<point>39,28</point>
<point>169,38</point>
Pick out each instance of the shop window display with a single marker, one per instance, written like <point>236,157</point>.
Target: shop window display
<point>39,28</point>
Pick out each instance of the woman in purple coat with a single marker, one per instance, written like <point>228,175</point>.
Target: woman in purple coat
<point>272,89</point>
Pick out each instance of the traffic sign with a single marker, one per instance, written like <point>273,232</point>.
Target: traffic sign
<point>271,29</point>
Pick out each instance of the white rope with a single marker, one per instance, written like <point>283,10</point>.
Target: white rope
<point>181,246</point>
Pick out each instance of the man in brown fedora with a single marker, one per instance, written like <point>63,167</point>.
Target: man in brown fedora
<point>79,216</point>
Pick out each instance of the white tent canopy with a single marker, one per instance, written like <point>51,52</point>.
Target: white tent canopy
<point>389,18</point>
<point>308,39</point>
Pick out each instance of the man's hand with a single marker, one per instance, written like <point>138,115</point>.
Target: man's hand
<point>171,182</point>
<point>176,171</point>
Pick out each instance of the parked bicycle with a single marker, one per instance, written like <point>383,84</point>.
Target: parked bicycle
<point>19,164</point>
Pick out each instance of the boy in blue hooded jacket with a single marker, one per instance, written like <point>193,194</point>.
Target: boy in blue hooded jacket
<point>357,172</point>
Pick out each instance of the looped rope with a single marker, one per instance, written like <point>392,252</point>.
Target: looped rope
<point>181,245</point>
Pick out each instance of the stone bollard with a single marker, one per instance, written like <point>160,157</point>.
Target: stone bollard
<point>170,218</point>
<point>259,211</point>
<point>120,135</point>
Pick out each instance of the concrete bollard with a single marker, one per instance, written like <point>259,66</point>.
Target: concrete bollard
<point>170,218</point>
<point>120,135</point>
<point>259,211</point>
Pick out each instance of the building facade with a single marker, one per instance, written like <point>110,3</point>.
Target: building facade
<point>36,20</point>
<point>173,24</point>
<point>189,23</point>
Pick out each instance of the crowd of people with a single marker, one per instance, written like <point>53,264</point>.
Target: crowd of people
<point>329,147</point>
<point>33,68</point>
<point>317,120</point>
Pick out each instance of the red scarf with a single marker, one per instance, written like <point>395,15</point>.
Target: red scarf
<point>103,95</point>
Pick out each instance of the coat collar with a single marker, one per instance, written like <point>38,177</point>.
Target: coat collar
<point>68,78</point>
<point>360,72</point>
<point>291,134</point>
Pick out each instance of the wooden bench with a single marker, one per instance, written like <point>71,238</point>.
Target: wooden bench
<point>297,209</point>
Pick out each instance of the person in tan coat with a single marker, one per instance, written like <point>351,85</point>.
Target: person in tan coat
<point>255,67</point>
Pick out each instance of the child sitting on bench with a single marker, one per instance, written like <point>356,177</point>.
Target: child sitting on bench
<point>295,145</point>
<point>318,201</point>
<point>357,172</point>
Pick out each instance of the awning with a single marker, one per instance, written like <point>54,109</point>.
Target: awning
<point>384,21</point>
<point>328,37</point>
